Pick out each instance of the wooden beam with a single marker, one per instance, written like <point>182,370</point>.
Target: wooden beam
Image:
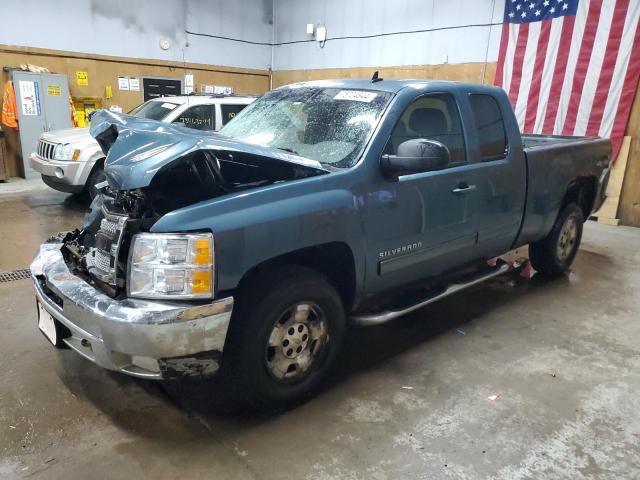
<point>608,212</point>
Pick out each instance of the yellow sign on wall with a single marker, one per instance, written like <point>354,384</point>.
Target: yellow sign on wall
<point>82,78</point>
<point>54,90</point>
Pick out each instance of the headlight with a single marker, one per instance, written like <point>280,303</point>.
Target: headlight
<point>65,152</point>
<point>178,266</point>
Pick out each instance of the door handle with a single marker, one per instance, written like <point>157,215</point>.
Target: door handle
<point>463,187</point>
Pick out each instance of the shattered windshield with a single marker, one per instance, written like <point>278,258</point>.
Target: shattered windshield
<point>330,125</point>
<point>153,110</point>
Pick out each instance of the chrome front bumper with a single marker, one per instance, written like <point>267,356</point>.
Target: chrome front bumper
<point>146,339</point>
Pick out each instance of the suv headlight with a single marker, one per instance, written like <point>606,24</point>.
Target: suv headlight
<point>65,152</point>
<point>176,266</point>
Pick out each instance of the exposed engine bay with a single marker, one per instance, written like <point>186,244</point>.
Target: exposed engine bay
<point>98,252</point>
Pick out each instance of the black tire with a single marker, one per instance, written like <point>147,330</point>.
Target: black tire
<point>553,255</point>
<point>97,176</point>
<point>260,305</point>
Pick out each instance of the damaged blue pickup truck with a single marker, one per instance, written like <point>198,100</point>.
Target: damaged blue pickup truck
<point>249,251</point>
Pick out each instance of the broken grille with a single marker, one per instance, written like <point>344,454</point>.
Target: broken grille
<point>102,260</point>
<point>14,275</point>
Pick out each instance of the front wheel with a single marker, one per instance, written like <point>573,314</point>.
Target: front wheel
<point>554,254</point>
<point>285,333</point>
<point>97,176</point>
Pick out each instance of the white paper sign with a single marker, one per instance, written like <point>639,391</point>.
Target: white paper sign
<point>188,80</point>
<point>134,84</point>
<point>29,98</point>
<point>123,83</point>
<point>218,90</point>
<point>356,95</point>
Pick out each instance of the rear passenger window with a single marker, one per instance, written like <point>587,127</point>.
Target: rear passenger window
<point>200,117</point>
<point>230,111</point>
<point>490,127</point>
<point>434,117</point>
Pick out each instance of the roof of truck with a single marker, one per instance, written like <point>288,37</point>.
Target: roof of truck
<point>392,85</point>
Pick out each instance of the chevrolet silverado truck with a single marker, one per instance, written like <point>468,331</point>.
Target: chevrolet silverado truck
<point>249,251</point>
<point>71,161</point>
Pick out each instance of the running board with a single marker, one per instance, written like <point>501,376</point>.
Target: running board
<point>386,316</point>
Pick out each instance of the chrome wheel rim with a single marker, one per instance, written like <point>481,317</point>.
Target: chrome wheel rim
<point>296,341</point>
<point>567,239</point>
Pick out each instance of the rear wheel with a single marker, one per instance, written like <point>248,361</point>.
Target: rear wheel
<point>554,254</point>
<point>286,331</point>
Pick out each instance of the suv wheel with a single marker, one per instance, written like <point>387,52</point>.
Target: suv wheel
<point>285,333</point>
<point>554,254</point>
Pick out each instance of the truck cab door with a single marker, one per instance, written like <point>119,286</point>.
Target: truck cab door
<point>422,224</point>
<point>501,176</point>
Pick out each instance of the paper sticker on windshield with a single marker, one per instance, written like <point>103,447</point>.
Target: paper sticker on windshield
<point>170,106</point>
<point>356,96</point>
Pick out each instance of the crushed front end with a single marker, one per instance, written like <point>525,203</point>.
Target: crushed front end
<point>80,281</point>
<point>136,301</point>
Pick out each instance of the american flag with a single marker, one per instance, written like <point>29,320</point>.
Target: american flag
<point>571,67</point>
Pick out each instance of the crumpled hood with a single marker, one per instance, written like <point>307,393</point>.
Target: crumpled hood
<point>137,148</point>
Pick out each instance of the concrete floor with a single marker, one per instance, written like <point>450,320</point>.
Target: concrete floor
<point>517,378</point>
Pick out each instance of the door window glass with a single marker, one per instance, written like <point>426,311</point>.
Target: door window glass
<point>434,117</point>
<point>490,127</point>
<point>199,117</point>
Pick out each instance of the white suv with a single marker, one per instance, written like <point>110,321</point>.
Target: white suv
<point>71,161</point>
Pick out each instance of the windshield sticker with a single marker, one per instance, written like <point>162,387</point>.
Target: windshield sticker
<point>356,95</point>
<point>170,106</point>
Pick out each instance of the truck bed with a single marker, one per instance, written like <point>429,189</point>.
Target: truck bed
<point>554,162</point>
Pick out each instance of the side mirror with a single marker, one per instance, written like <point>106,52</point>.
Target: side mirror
<point>415,156</point>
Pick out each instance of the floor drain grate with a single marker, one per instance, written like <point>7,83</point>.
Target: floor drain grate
<point>14,275</point>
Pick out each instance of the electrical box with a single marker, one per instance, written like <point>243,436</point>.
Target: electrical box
<point>321,33</point>
<point>42,100</point>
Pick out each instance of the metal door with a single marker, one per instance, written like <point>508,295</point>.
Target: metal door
<point>55,96</point>
<point>424,224</point>
<point>501,175</point>
<point>160,87</point>
<point>41,107</point>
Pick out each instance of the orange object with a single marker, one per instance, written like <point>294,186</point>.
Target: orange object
<point>74,115</point>
<point>201,281</point>
<point>202,252</point>
<point>9,109</point>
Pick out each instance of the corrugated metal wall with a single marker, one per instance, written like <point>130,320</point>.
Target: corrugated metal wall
<point>455,35</point>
